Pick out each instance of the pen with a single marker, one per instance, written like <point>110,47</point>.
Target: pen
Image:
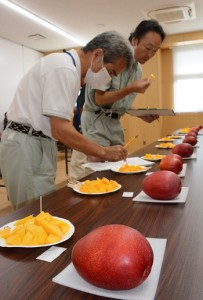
<point>130,141</point>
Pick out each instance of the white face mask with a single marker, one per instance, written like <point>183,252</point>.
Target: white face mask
<point>99,79</point>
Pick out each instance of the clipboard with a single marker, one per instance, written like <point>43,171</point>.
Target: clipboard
<point>141,112</point>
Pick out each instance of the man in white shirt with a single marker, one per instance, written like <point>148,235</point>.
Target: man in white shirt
<point>42,110</point>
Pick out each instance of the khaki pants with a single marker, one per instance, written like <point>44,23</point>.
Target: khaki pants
<point>77,171</point>
<point>28,166</point>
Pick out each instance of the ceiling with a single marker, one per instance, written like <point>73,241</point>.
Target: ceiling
<point>85,19</point>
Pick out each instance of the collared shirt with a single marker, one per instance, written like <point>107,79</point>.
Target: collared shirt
<point>117,82</point>
<point>50,88</point>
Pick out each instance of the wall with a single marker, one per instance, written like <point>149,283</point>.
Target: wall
<point>15,60</point>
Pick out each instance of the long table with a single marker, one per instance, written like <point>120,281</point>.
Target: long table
<point>22,276</point>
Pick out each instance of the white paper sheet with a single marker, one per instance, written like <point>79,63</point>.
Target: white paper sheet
<point>197,145</point>
<point>146,291</point>
<point>102,166</point>
<point>181,198</point>
<point>193,156</point>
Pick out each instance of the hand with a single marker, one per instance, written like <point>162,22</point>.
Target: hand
<point>112,153</point>
<point>140,86</point>
<point>116,153</point>
<point>150,118</point>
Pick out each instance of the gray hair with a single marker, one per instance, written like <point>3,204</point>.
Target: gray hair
<point>114,46</point>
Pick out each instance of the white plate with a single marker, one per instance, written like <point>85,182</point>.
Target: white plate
<point>144,169</point>
<point>103,166</point>
<point>64,238</point>
<point>153,159</point>
<point>177,137</point>
<point>69,277</point>
<point>76,189</point>
<point>165,141</point>
<point>161,147</point>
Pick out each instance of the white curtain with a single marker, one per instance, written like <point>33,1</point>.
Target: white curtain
<point>188,78</point>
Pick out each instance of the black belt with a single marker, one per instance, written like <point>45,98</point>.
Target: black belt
<point>26,129</point>
<point>112,115</point>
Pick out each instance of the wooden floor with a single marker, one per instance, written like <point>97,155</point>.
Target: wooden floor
<point>61,178</point>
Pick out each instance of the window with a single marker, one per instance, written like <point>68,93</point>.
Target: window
<point>188,78</point>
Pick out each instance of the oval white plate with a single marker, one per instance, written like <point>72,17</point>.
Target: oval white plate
<point>162,140</point>
<point>152,159</point>
<point>144,169</point>
<point>66,236</point>
<point>177,137</point>
<point>76,189</point>
<point>161,147</point>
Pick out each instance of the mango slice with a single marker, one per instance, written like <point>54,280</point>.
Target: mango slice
<point>35,231</point>
<point>22,221</point>
<point>130,168</point>
<point>4,233</point>
<point>98,186</point>
<point>14,239</point>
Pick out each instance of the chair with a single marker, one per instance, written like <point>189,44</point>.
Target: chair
<point>66,150</point>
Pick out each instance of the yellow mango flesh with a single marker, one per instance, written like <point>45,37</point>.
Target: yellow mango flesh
<point>22,221</point>
<point>4,233</point>
<point>14,239</point>
<point>51,238</point>
<point>130,168</point>
<point>27,239</point>
<point>35,231</point>
<point>51,228</point>
<point>20,230</point>
<point>98,186</point>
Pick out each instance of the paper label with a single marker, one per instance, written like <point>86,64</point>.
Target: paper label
<point>52,253</point>
<point>128,194</point>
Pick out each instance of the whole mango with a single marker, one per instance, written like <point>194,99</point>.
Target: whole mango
<point>115,257</point>
<point>190,140</point>
<point>171,164</point>
<point>162,185</point>
<point>183,149</point>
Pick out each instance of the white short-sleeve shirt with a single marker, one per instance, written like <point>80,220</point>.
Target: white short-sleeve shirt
<point>50,88</point>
